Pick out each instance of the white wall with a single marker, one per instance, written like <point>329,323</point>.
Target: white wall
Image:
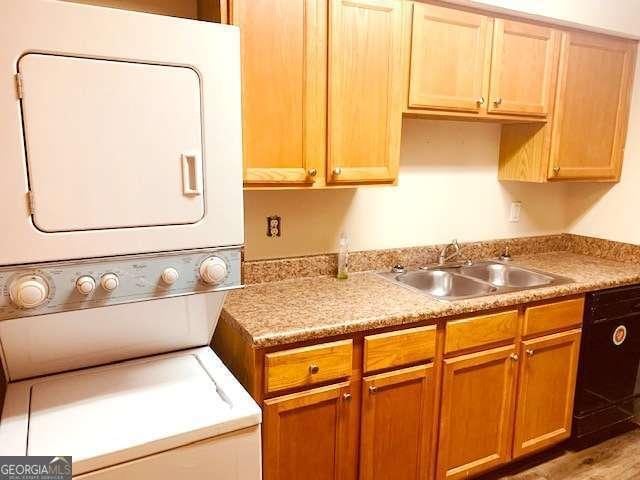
<point>616,16</point>
<point>447,188</point>
<point>448,183</point>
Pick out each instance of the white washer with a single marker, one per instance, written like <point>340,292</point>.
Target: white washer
<point>123,380</point>
<point>180,415</point>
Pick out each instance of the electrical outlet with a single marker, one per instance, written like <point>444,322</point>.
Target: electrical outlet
<point>274,226</point>
<point>514,214</point>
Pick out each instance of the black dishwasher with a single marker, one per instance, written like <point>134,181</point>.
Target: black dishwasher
<point>608,390</point>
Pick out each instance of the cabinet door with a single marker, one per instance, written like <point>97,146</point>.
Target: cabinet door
<point>523,68</point>
<point>283,46</point>
<point>365,111</point>
<point>546,390</point>
<point>592,105</point>
<point>450,59</point>
<point>311,435</point>
<point>397,421</point>
<point>476,419</point>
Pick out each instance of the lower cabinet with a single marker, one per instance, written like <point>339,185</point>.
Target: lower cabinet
<point>546,390</point>
<point>497,387</point>
<point>476,418</point>
<point>312,435</point>
<point>397,421</point>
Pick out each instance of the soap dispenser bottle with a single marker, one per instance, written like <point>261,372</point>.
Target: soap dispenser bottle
<point>343,258</point>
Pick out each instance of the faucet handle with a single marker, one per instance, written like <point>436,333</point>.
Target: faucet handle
<point>505,256</point>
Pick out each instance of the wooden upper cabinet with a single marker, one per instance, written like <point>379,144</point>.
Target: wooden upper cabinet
<point>397,422</point>
<point>546,391</point>
<point>592,105</point>
<point>365,114</point>
<point>311,435</point>
<point>283,44</point>
<point>476,418</point>
<point>449,59</point>
<point>523,68</point>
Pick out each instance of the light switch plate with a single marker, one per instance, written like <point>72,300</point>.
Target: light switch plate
<point>514,213</point>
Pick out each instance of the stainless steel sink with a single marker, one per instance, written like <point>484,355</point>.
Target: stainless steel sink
<point>475,280</point>
<point>502,275</point>
<point>444,284</point>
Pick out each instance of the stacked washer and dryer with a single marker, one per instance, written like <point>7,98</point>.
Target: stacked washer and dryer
<point>121,230</point>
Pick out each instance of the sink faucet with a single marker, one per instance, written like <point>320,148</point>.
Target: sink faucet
<point>444,258</point>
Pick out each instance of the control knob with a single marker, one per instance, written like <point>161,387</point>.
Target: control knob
<point>213,270</point>
<point>85,285</point>
<point>109,282</point>
<point>29,291</point>
<point>170,276</point>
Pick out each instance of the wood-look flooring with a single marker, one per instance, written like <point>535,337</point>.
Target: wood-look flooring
<point>614,459</point>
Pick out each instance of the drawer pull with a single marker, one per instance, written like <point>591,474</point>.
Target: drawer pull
<point>373,389</point>
<point>514,357</point>
<point>313,369</point>
<point>346,396</point>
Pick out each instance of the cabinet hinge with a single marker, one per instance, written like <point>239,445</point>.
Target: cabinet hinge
<point>19,86</point>
<point>31,202</point>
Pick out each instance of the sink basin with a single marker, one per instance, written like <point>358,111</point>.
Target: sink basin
<point>458,282</point>
<point>444,284</point>
<point>506,275</point>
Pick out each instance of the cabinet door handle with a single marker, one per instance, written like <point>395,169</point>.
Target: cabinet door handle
<point>373,389</point>
<point>337,171</point>
<point>346,396</point>
<point>556,171</point>
<point>480,101</point>
<point>314,369</point>
<point>529,352</point>
<point>514,356</point>
<point>497,102</point>
<point>312,172</point>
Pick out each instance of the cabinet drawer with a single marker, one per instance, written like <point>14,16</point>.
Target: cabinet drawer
<point>393,349</point>
<point>482,330</point>
<point>553,316</point>
<point>307,365</point>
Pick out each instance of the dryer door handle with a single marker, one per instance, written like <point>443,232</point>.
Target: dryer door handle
<point>191,174</point>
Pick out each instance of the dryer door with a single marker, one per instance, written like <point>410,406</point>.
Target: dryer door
<point>87,171</point>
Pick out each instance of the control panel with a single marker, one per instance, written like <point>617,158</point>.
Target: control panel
<point>39,289</point>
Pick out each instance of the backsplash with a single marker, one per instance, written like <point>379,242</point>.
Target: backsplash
<point>263,271</point>
<point>273,270</point>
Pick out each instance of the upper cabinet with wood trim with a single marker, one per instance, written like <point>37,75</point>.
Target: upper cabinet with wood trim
<point>584,139</point>
<point>592,106</point>
<point>283,89</point>
<point>321,91</point>
<point>449,59</point>
<point>364,114</point>
<point>523,68</point>
<point>464,64</point>
<point>325,84</point>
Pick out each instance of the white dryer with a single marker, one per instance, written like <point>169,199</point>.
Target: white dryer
<point>122,231</point>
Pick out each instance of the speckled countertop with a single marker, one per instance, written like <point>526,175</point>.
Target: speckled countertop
<point>311,308</point>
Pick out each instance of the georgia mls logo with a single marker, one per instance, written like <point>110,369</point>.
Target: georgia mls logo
<point>619,335</point>
<point>35,468</point>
